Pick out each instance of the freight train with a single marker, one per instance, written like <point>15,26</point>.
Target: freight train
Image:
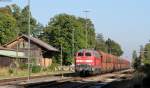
<point>89,62</point>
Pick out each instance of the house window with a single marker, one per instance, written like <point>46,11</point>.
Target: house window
<point>25,45</point>
<point>21,45</point>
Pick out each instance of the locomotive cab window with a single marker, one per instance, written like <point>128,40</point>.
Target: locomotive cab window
<point>80,54</point>
<point>88,54</point>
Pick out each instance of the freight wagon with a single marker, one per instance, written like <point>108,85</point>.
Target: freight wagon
<point>88,62</point>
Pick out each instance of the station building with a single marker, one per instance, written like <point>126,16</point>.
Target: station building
<point>41,53</point>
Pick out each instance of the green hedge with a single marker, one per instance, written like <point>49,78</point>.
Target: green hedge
<point>36,69</point>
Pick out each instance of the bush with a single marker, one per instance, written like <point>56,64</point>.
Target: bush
<point>145,69</point>
<point>36,69</point>
<point>53,66</point>
<point>10,71</point>
<point>23,66</point>
<point>44,69</point>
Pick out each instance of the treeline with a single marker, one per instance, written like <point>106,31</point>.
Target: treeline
<point>14,21</point>
<point>62,29</point>
<point>109,46</point>
<point>141,62</point>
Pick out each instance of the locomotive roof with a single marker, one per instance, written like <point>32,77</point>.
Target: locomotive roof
<point>103,53</point>
<point>36,41</point>
<point>87,50</point>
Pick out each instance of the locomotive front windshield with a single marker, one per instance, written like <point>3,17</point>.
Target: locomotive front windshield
<point>88,54</point>
<point>80,54</point>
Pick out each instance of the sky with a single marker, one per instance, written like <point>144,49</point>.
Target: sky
<point>125,21</point>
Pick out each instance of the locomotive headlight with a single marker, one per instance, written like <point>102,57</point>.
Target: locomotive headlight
<point>89,60</point>
<point>93,69</point>
<point>79,60</point>
<point>84,61</point>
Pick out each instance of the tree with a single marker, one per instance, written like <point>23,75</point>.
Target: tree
<point>90,32</point>
<point>7,28</point>
<point>22,16</point>
<point>113,47</point>
<point>23,21</point>
<point>15,11</point>
<point>134,55</point>
<point>136,62</point>
<point>6,10</point>
<point>100,43</point>
<point>59,31</point>
<point>146,59</point>
<point>38,30</point>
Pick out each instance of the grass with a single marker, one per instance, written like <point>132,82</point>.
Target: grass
<point>6,73</point>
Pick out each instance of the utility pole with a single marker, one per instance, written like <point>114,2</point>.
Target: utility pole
<point>86,27</point>
<point>109,46</point>
<point>142,52</point>
<point>29,47</point>
<point>17,47</point>
<point>73,43</point>
<point>61,61</point>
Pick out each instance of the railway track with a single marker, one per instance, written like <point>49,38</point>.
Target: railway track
<point>11,80</point>
<point>97,81</point>
<point>68,83</point>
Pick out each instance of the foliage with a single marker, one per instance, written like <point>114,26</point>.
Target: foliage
<point>90,32</point>
<point>60,29</point>
<point>108,46</point>
<point>67,61</point>
<point>23,66</point>
<point>23,22</point>
<point>145,68</point>
<point>52,67</point>
<point>37,30</point>
<point>10,71</point>
<point>36,69</point>
<point>100,43</point>
<point>14,21</point>
<point>5,11</point>
<point>134,55</point>
<point>22,19</point>
<point>144,59</point>
<point>113,47</point>
<point>7,28</point>
<point>136,62</point>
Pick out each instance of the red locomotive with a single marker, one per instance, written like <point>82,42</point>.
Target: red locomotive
<point>89,62</point>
